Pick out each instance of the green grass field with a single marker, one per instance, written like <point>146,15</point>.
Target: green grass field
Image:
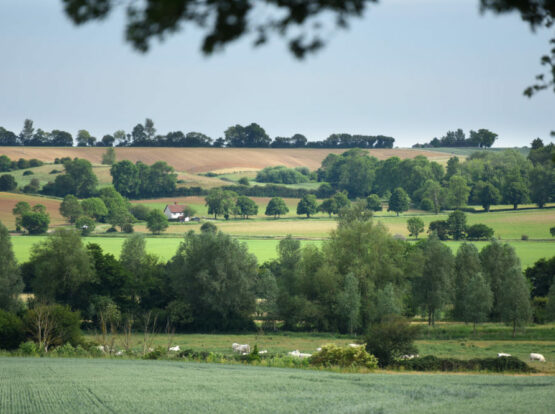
<point>264,249</point>
<point>465,152</point>
<point>39,385</point>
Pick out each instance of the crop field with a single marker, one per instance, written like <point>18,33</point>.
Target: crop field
<point>195,160</point>
<point>465,152</point>
<point>9,200</point>
<point>132,386</point>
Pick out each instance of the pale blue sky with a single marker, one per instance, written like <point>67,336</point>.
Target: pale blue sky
<point>411,69</point>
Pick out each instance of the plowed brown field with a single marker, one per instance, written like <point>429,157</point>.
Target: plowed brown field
<point>197,160</point>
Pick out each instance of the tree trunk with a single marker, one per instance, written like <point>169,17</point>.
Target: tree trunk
<point>514,328</point>
<point>515,206</point>
<point>475,328</point>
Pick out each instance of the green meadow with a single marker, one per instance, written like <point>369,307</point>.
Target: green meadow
<point>38,385</point>
<point>264,249</point>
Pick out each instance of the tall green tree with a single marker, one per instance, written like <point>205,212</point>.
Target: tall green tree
<point>542,184</point>
<point>94,207</point>
<point>220,202</point>
<point>478,300</point>
<point>374,202</point>
<point>434,192</point>
<point>458,191</point>
<point>70,208</point>
<point>399,201</point>
<point>514,302</point>
<point>245,207</point>
<point>35,222</point>
<point>434,287</point>
<point>487,194</point>
<point>498,261</point>
<point>348,302</point>
<point>11,284</point>
<point>457,224</point>
<point>415,226</point>
<point>307,205</point>
<point>62,269</point>
<point>516,192</point>
<point>156,221</point>
<point>467,266</point>
<point>276,207</point>
<point>215,275</point>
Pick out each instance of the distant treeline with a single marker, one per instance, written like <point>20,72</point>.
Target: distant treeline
<point>145,135</point>
<point>482,138</point>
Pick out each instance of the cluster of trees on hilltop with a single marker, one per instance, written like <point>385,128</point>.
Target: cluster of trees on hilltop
<point>482,138</point>
<point>213,283</point>
<point>484,178</point>
<point>145,135</point>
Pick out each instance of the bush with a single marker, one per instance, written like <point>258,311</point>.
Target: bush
<point>28,348</point>
<point>158,353</point>
<point>12,332</point>
<point>35,223</point>
<point>28,172</point>
<point>432,363</point>
<point>333,355</point>
<point>479,232</point>
<point>390,339</point>
<point>33,162</point>
<point>140,211</point>
<point>244,181</point>
<point>281,175</point>
<point>54,171</point>
<point>524,237</point>
<point>68,351</point>
<point>127,228</point>
<point>112,230</point>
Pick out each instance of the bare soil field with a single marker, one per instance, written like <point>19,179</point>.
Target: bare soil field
<point>195,160</point>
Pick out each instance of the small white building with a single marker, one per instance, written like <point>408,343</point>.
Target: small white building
<point>175,212</point>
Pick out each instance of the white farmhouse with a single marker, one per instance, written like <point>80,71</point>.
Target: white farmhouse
<point>175,212</point>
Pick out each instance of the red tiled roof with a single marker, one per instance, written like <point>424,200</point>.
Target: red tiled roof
<point>174,208</point>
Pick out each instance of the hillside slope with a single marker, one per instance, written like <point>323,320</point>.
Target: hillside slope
<point>196,160</point>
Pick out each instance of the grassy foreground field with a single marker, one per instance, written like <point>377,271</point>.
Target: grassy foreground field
<point>108,386</point>
<point>264,249</point>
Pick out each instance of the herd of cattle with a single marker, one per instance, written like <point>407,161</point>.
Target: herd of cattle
<point>245,349</point>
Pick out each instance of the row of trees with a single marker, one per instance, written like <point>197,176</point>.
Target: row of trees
<point>145,135</point>
<point>482,138</point>
<point>360,276</point>
<point>484,178</point>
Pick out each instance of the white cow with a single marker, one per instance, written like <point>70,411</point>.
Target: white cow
<point>263,352</point>
<point>241,348</point>
<point>410,356</point>
<point>501,354</point>
<point>298,354</point>
<point>355,345</point>
<point>175,348</point>
<point>537,357</point>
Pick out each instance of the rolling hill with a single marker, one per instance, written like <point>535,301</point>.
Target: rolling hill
<point>197,160</point>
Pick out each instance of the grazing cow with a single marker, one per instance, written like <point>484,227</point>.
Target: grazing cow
<point>355,345</point>
<point>298,354</point>
<point>175,348</point>
<point>501,354</point>
<point>410,356</point>
<point>537,357</point>
<point>318,349</point>
<point>263,352</point>
<point>241,348</point>
<point>119,353</point>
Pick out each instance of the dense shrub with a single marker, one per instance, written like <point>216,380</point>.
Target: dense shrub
<point>390,339</point>
<point>333,355</point>
<point>427,205</point>
<point>28,172</point>
<point>112,230</point>
<point>85,224</point>
<point>140,211</point>
<point>28,348</point>
<point>432,363</point>
<point>281,175</point>
<point>7,183</point>
<point>479,232</point>
<point>127,228</point>
<point>11,330</point>
<point>524,237</point>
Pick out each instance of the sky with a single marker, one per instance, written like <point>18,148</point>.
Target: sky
<point>411,69</point>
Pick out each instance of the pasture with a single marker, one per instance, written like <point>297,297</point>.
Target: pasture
<point>134,386</point>
<point>264,249</point>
